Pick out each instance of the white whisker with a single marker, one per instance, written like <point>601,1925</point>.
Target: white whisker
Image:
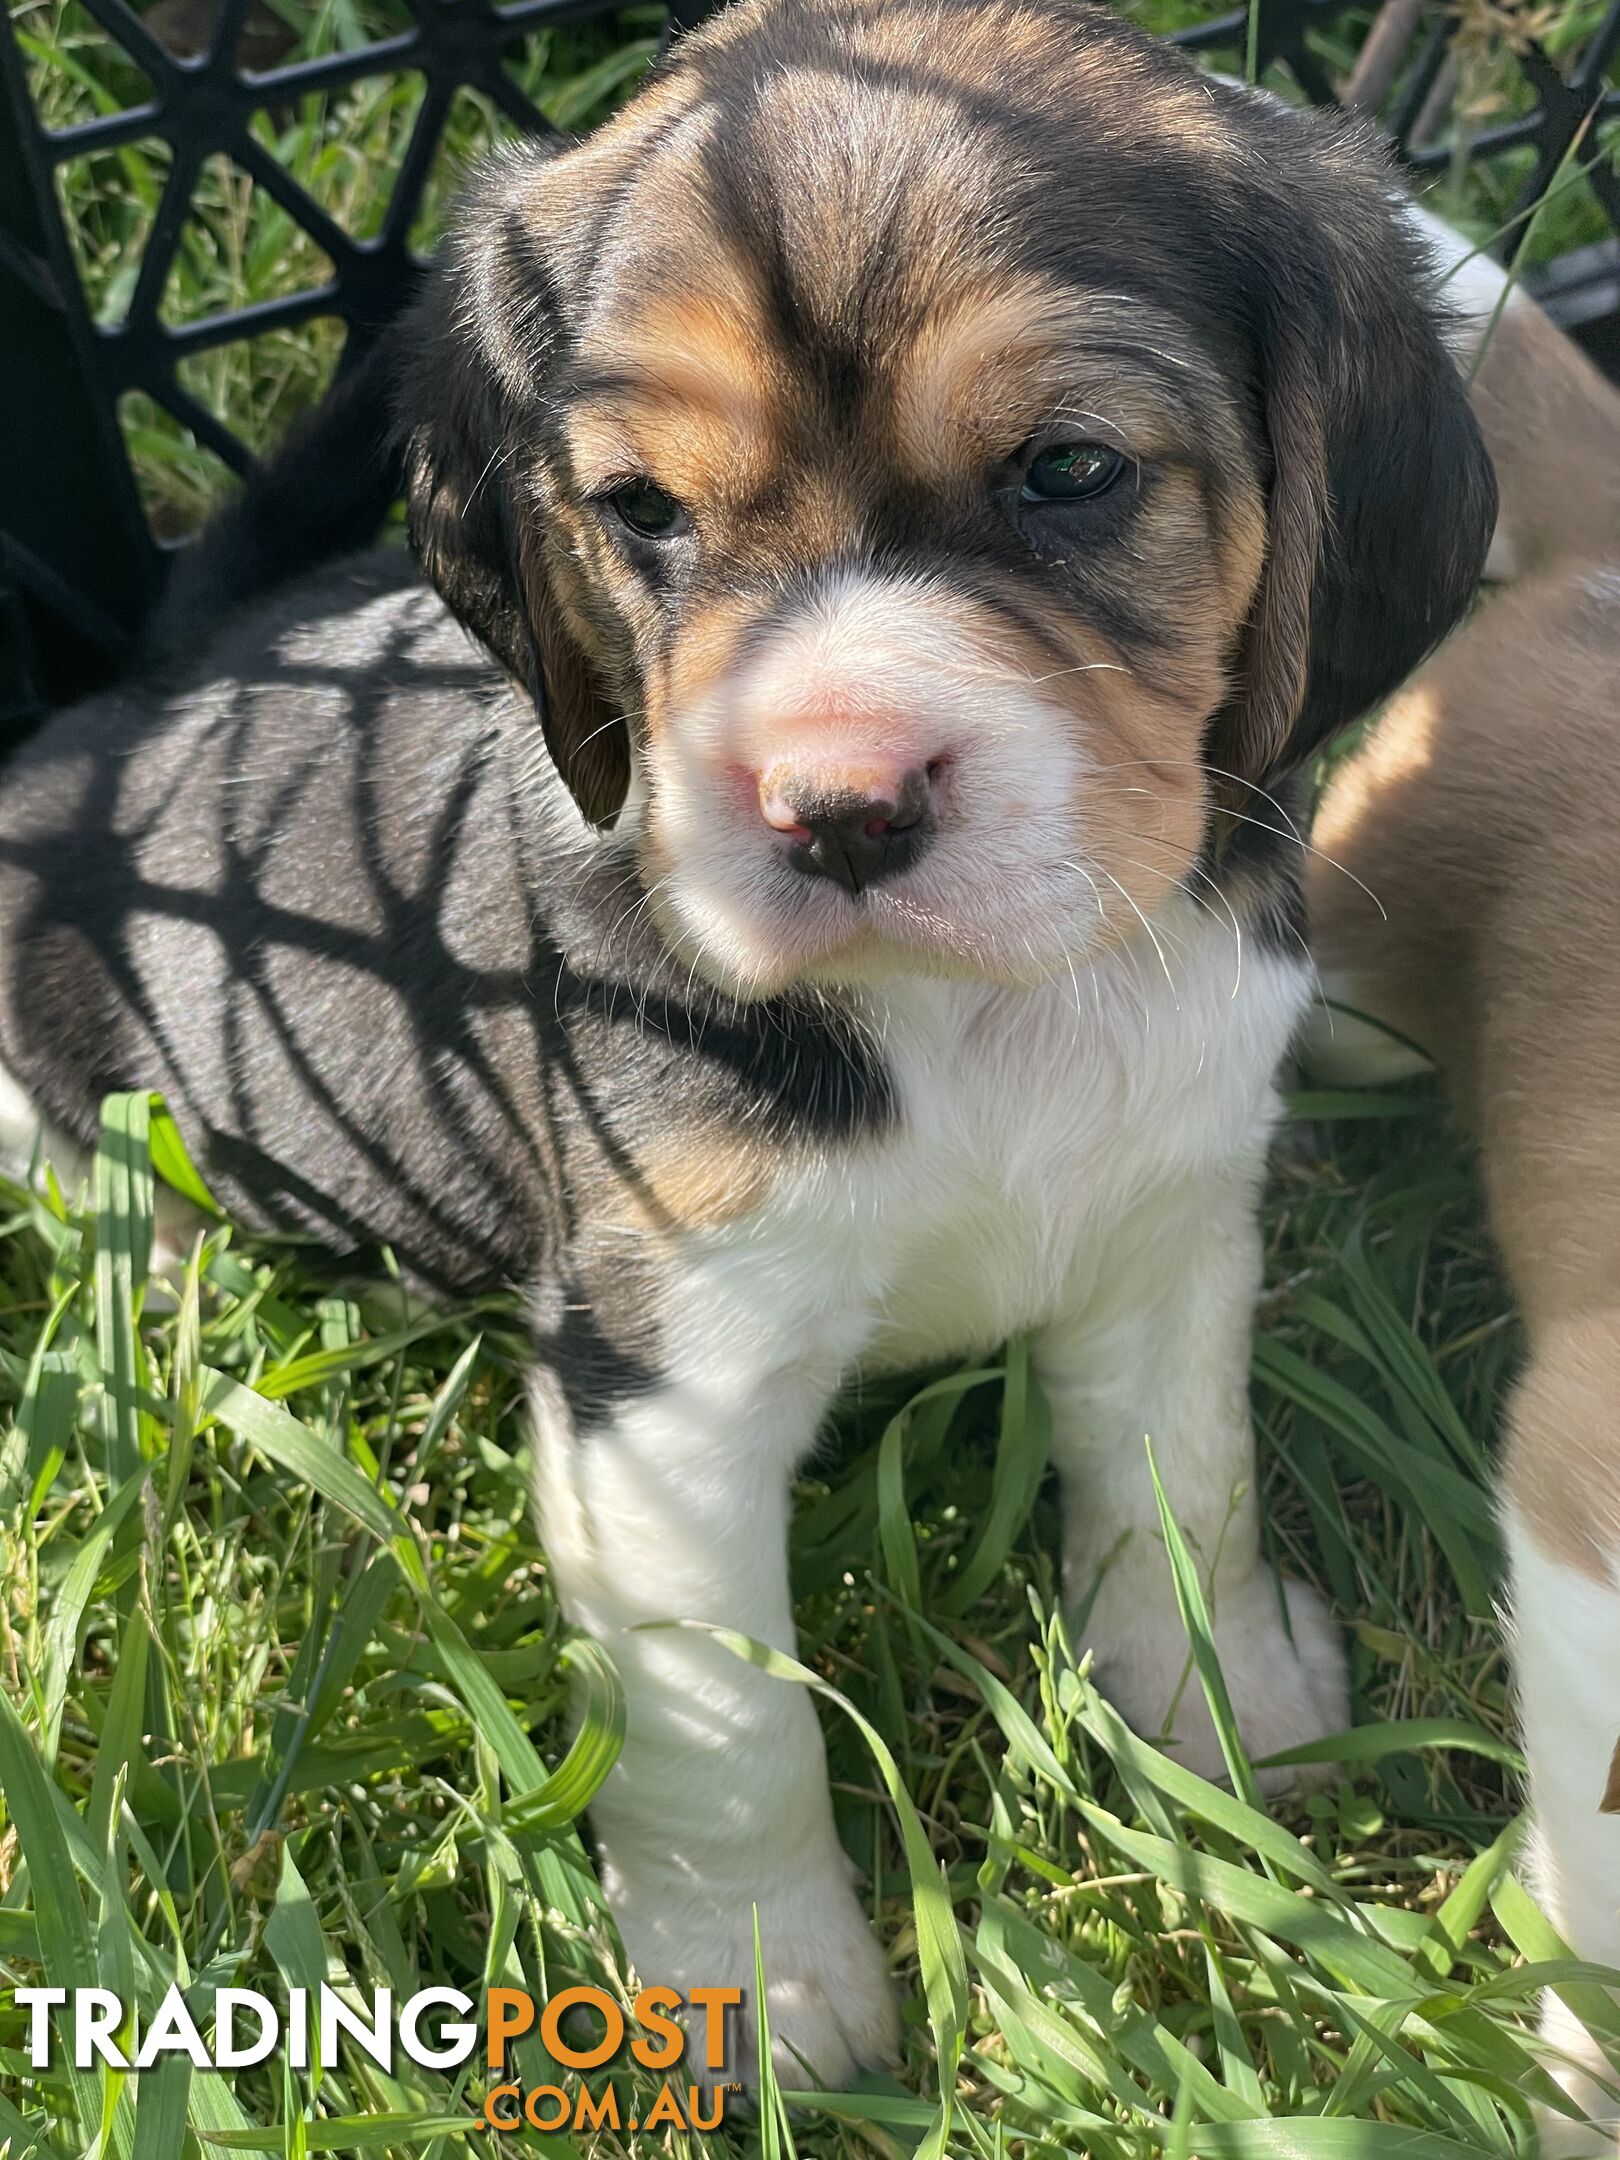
<point>1152,933</point>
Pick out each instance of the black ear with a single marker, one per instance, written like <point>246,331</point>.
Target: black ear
<point>1382,497</point>
<point>479,345</point>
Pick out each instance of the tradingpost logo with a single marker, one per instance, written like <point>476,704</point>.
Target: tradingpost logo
<point>438,2028</point>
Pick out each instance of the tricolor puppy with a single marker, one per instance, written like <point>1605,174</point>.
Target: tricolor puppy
<point>936,470</point>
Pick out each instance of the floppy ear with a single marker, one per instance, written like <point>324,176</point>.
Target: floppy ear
<point>1382,498</point>
<point>476,506</point>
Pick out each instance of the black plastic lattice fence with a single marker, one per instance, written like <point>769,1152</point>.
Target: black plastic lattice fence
<point>79,564</point>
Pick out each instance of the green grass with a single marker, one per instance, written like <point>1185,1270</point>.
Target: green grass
<point>282,1680</point>
<point>283,1691</point>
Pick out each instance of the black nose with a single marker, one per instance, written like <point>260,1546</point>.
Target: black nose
<point>856,839</point>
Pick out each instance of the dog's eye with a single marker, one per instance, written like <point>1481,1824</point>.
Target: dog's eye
<point>648,511</point>
<point>1070,471</point>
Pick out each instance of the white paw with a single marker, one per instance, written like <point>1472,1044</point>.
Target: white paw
<point>1284,1692</point>
<point>827,1989</point>
<point>1577,2064</point>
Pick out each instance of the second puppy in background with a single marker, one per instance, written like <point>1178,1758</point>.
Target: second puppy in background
<point>1481,822</point>
<point>1550,420</point>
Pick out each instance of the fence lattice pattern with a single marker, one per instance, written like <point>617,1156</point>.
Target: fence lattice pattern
<point>1500,103</point>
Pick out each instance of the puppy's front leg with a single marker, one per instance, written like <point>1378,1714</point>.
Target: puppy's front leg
<point>1160,1350</point>
<point>673,1505</point>
<point>1562,1522</point>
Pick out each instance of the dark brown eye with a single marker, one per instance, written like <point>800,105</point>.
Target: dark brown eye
<point>1070,472</point>
<point>648,511</point>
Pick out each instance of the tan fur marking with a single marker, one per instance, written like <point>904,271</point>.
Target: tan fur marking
<point>699,397</point>
<point>1483,819</point>
<point>1562,1470</point>
<point>701,456</point>
<point>1610,1803</point>
<point>705,349</point>
<point>1243,552</point>
<point>705,650</point>
<point>987,369</point>
<point>1359,906</point>
<point>698,405</point>
<point>709,1181</point>
<point>944,417</point>
<point>1553,426</point>
<point>1145,810</point>
<point>1141,801</point>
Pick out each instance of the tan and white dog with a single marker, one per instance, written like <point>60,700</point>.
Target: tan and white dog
<point>1481,920</point>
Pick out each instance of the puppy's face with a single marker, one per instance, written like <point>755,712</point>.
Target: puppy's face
<point>901,475</point>
<point>920,579</point>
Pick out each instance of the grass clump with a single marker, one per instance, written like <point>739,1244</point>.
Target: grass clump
<point>282,1689</point>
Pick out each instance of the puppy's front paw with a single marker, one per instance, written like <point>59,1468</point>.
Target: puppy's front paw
<point>1579,2065</point>
<point>830,2001</point>
<point>1284,1692</point>
<point>832,2012</point>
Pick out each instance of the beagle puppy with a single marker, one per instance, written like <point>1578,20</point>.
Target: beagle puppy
<point>1481,922</point>
<point>929,475</point>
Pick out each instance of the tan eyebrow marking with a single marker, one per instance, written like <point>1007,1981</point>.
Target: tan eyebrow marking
<point>687,389</point>
<point>985,370</point>
<point>955,350</point>
<point>708,349</point>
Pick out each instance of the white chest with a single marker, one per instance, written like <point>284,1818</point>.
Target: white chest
<point>1032,1124</point>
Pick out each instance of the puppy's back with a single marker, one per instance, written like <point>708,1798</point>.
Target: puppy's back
<point>1553,426</point>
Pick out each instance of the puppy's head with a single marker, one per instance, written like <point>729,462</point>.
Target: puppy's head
<point>922,459</point>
